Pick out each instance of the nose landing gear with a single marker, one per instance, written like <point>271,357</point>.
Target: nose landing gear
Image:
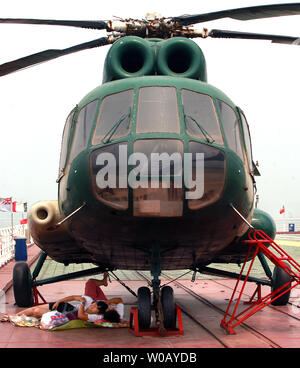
<point>167,314</point>
<point>163,305</point>
<point>144,307</point>
<point>168,307</point>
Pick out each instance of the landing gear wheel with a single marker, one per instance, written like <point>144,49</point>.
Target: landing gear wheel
<point>144,307</point>
<point>22,284</point>
<point>280,278</point>
<point>168,307</point>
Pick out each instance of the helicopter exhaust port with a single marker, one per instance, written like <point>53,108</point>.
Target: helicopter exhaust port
<point>44,213</point>
<point>43,216</point>
<point>42,220</point>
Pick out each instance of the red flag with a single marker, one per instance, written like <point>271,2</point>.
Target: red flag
<point>18,207</point>
<point>6,204</point>
<point>23,222</point>
<point>282,210</point>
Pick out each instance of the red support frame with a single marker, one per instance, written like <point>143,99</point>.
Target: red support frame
<point>260,242</point>
<point>36,295</point>
<point>257,293</point>
<point>153,331</point>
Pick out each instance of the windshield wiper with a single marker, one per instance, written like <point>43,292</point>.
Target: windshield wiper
<point>115,127</point>
<point>206,135</point>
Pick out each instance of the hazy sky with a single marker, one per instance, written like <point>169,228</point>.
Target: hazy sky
<point>260,77</point>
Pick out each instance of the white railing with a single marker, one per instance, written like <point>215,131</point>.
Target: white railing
<point>287,224</point>
<point>7,242</point>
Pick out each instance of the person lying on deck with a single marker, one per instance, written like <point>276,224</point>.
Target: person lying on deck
<point>94,305</point>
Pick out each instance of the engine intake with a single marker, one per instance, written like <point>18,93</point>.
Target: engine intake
<point>136,57</point>
<point>181,57</point>
<point>129,57</point>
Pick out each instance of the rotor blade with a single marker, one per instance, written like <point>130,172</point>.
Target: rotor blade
<point>249,13</point>
<point>219,33</point>
<point>52,22</point>
<point>46,55</point>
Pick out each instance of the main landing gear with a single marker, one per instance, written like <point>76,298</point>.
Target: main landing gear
<point>285,277</point>
<point>22,285</point>
<point>25,284</point>
<point>279,279</point>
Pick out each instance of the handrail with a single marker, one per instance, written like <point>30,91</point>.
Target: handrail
<point>7,242</point>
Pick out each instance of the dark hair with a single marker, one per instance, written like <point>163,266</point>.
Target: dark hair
<point>112,316</point>
<point>102,306</point>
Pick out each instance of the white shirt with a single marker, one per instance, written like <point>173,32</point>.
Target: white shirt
<point>94,317</point>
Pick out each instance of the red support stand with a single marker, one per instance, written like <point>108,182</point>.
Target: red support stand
<point>36,295</point>
<point>153,331</point>
<point>256,293</point>
<point>260,242</point>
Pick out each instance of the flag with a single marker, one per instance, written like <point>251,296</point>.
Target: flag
<point>19,207</point>
<point>282,210</point>
<point>6,204</point>
<point>23,222</point>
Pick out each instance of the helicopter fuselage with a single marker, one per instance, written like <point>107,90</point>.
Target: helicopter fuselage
<point>152,164</point>
<point>117,227</point>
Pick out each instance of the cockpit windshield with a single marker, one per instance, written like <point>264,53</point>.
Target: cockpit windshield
<point>231,128</point>
<point>200,117</point>
<point>114,117</point>
<point>157,110</point>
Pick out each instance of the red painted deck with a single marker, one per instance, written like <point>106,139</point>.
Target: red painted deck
<point>271,327</point>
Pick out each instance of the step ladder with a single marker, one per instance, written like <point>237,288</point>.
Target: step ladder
<point>260,242</point>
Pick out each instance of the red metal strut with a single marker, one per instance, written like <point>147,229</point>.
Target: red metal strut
<point>153,331</point>
<point>260,242</point>
<point>36,295</point>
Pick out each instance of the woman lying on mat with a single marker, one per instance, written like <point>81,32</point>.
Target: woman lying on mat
<point>94,305</point>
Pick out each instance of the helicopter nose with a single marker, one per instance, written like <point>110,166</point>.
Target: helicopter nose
<point>160,176</point>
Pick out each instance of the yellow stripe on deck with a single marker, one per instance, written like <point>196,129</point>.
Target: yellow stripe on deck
<point>292,243</point>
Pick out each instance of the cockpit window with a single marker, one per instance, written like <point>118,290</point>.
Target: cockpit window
<point>230,123</point>
<point>200,117</point>
<point>157,110</point>
<point>64,143</point>
<point>114,117</point>
<point>83,127</point>
<point>247,141</point>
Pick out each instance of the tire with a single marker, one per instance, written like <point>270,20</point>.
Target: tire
<point>168,307</point>
<point>22,285</point>
<point>280,278</point>
<point>144,307</point>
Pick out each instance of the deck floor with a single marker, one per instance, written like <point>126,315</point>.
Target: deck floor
<point>202,313</point>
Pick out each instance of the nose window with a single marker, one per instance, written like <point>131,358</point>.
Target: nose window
<point>213,176</point>
<point>159,192</point>
<point>157,110</point>
<point>107,174</point>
